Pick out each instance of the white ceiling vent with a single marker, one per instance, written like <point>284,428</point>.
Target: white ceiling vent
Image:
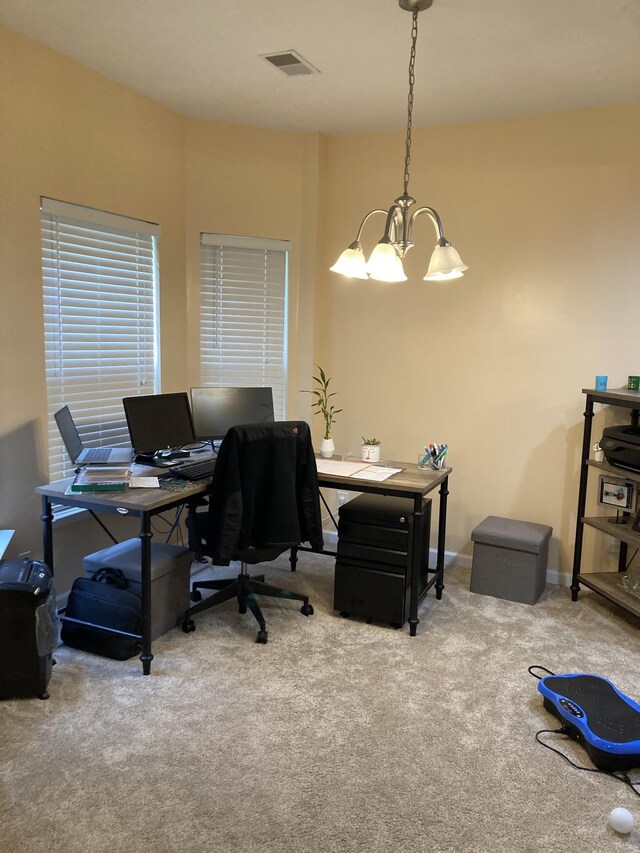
<point>290,63</point>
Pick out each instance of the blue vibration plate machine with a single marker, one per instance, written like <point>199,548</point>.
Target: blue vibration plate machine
<point>601,718</point>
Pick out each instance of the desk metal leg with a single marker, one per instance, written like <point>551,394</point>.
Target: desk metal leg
<point>145,567</point>
<point>442,530</point>
<point>414,563</point>
<point>47,533</point>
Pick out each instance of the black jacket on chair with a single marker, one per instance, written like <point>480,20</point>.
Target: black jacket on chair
<point>265,491</point>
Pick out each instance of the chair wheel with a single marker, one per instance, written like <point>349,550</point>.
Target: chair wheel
<point>262,637</point>
<point>195,595</point>
<point>188,625</point>
<point>306,610</point>
<point>44,695</point>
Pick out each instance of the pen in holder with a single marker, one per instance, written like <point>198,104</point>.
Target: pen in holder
<point>434,457</point>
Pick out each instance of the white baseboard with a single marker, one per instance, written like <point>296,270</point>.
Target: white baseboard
<point>560,578</point>
<point>451,558</point>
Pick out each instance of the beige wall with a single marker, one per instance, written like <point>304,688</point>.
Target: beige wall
<point>72,134</point>
<point>262,183</point>
<point>544,209</point>
<point>69,133</point>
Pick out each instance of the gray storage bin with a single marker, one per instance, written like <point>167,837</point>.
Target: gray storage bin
<point>170,574</point>
<point>510,559</point>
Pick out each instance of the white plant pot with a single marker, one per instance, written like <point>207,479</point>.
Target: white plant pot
<point>327,448</point>
<point>370,453</point>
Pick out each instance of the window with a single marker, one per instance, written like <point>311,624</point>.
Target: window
<point>243,325</point>
<point>100,277</point>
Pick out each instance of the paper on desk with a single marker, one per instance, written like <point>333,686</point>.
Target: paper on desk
<point>356,470</point>
<point>338,467</point>
<point>375,472</point>
<point>144,483</point>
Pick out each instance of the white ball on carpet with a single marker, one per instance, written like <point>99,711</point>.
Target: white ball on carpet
<point>622,820</point>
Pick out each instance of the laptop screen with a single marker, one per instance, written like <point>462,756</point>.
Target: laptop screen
<point>69,433</point>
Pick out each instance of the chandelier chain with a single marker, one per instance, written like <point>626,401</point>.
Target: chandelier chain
<point>412,79</point>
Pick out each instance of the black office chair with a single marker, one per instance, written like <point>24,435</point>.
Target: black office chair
<point>264,500</point>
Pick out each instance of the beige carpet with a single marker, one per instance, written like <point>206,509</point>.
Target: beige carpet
<point>335,736</point>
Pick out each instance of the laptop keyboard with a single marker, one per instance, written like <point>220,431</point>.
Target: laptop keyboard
<point>194,470</point>
<point>97,454</point>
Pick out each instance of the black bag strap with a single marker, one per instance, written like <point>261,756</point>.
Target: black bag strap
<point>113,577</point>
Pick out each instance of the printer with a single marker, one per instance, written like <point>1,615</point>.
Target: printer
<point>621,446</point>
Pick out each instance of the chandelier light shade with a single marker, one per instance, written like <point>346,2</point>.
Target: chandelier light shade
<point>385,262</point>
<point>351,262</point>
<point>445,263</point>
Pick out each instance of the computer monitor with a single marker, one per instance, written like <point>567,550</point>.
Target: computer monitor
<point>159,422</point>
<point>217,409</point>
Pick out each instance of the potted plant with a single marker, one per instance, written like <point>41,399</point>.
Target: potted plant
<point>370,449</point>
<point>323,405</point>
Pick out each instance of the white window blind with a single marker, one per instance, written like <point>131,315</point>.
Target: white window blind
<point>243,314</point>
<point>100,277</point>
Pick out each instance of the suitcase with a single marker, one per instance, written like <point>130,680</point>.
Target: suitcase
<point>28,628</point>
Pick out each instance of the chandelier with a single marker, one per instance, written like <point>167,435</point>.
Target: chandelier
<point>385,262</point>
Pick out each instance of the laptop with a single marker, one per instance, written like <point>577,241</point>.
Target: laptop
<point>81,455</point>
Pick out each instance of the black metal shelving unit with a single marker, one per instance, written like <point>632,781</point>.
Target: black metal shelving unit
<point>606,584</point>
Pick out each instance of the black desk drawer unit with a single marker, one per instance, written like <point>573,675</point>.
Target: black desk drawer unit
<point>372,565</point>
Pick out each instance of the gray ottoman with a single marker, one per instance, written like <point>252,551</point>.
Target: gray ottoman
<point>170,574</point>
<point>510,559</point>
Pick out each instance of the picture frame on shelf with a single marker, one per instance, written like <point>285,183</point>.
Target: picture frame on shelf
<point>617,493</point>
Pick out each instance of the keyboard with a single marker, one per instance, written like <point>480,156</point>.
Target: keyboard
<point>97,454</point>
<point>199,470</point>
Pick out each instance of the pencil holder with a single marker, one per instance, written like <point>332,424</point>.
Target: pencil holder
<point>433,458</point>
<point>439,463</point>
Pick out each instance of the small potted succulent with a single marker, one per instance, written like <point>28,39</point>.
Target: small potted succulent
<point>370,449</point>
<point>323,405</point>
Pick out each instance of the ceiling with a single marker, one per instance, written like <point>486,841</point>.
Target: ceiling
<point>476,59</point>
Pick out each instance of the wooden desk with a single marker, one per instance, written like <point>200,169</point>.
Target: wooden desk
<point>139,503</point>
<point>412,482</point>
